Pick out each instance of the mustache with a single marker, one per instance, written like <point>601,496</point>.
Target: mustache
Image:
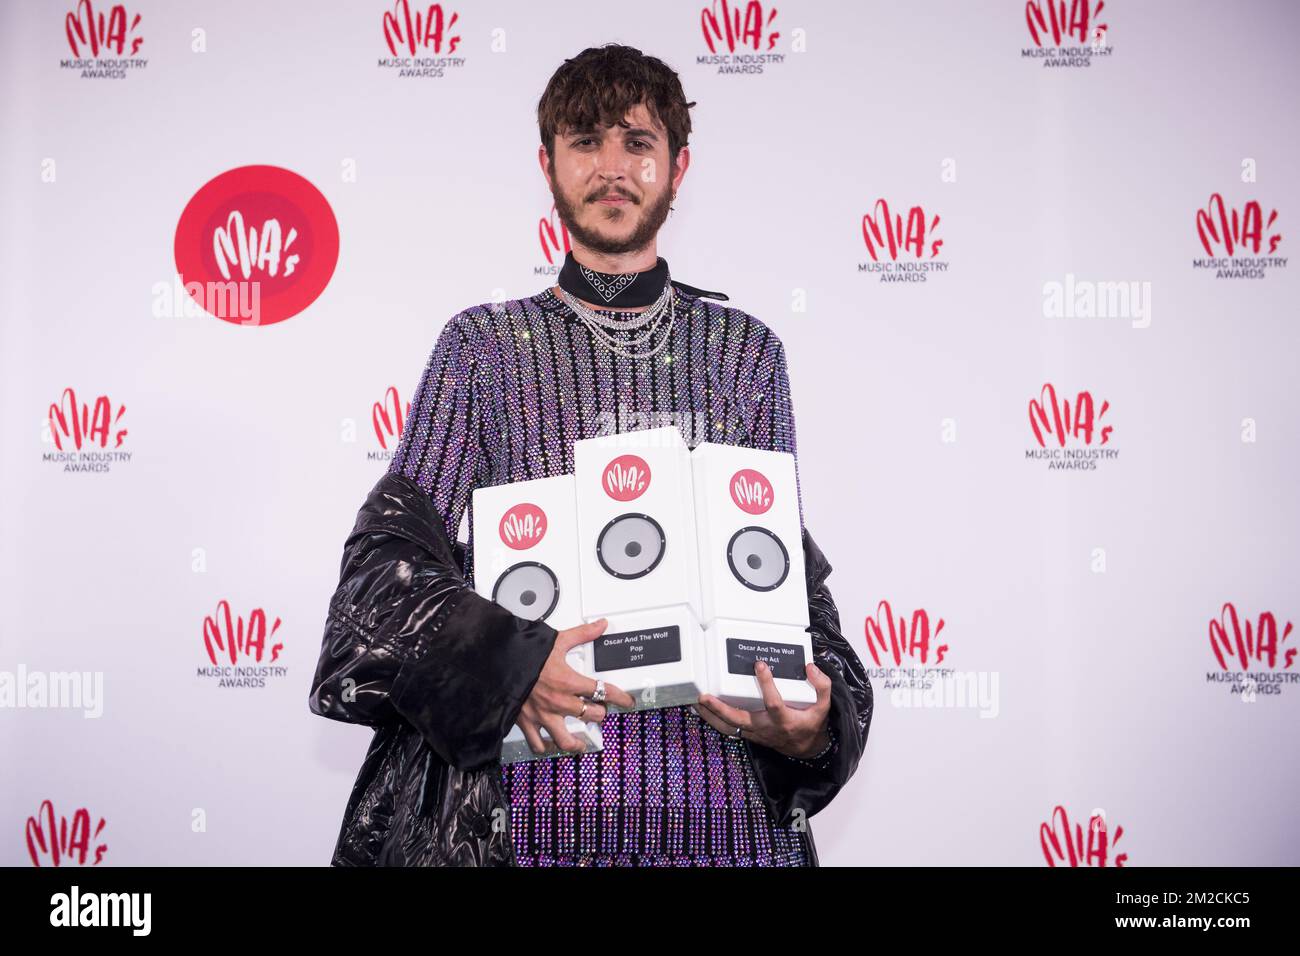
<point>613,193</point>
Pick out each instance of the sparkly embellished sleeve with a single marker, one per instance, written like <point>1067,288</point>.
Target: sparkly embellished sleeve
<point>439,448</point>
<point>406,637</point>
<point>772,425</point>
<point>793,787</point>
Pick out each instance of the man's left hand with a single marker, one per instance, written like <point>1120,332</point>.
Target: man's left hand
<point>787,730</point>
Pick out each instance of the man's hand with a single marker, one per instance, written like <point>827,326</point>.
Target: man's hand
<point>787,730</point>
<point>559,691</point>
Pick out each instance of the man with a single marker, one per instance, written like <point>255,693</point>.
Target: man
<point>616,345</point>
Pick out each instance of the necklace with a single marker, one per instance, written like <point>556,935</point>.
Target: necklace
<point>653,317</point>
<point>634,288</point>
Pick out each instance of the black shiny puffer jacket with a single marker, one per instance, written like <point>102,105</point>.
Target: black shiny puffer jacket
<point>442,672</point>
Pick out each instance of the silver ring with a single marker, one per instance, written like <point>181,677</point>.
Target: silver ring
<point>737,733</point>
<point>599,696</point>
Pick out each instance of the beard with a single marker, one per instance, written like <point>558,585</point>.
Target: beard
<point>651,221</point>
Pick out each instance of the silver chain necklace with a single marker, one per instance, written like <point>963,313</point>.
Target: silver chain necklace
<point>653,317</point>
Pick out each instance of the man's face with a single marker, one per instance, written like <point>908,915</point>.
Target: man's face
<point>613,185</point>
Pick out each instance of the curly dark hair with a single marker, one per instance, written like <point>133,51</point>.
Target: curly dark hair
<point>600,85</point>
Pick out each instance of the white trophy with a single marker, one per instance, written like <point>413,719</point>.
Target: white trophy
<point>639,564</point>
<point>526,560</point>
<point>754,589</point>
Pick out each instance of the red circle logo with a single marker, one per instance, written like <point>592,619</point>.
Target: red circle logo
<point>751,492</point>
<point>523,526</point>
<point>626,477</point>
<point>256,245</point>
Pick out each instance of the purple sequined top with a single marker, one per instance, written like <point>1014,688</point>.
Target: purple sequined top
<point>507,390</point>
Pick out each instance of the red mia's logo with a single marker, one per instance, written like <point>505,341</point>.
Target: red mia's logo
<point>389,418</point>
<point>881,231</point>
<point>626,477</point>
<point>225,633</point>
<point>1044,15</point>
<point>428,29</point>
<point>523,526</point>
<point>1053,417</point>
<point>76,424</point>
<point>1257,644</point>
<point>257,229</point>
<point>84,28</point>
<point>1222,230</point>
<point>721,23</point>
<point>751,491</point>
<point>555,242</point>
<point>1061,847</point>
<point>57,841</point>
<point>898,644</point>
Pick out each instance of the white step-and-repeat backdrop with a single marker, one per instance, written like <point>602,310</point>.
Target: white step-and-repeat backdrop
<point>1031,264</point>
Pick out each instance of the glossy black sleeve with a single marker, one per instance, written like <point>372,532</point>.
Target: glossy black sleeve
<point>405,639</point>
<point>792,786</point>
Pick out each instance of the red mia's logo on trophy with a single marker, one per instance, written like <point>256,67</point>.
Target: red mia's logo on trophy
<point>429,29</point>
<point>389,418</point>
<point>59,841</point>
<point>88,31</point>
<point>890,638</point>
<point>78,425</point>
<point>1055,418</point>
<point>523,526</point>
<point>723,25</point>
<point>554,241</point>
<point>1257,644</point>
<point>626,477</point>
<point>1044,15</point>
<point>751,491</point>
<point>888,233</point>
<point>1061,847</point>
<point>1223,230</point>
<point>225,633</point>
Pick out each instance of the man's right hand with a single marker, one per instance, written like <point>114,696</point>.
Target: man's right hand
<point>559,691</point>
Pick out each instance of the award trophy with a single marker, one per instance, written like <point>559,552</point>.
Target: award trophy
<point>638,564</point>
<point>752,581</point>
<point>526,560</point>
